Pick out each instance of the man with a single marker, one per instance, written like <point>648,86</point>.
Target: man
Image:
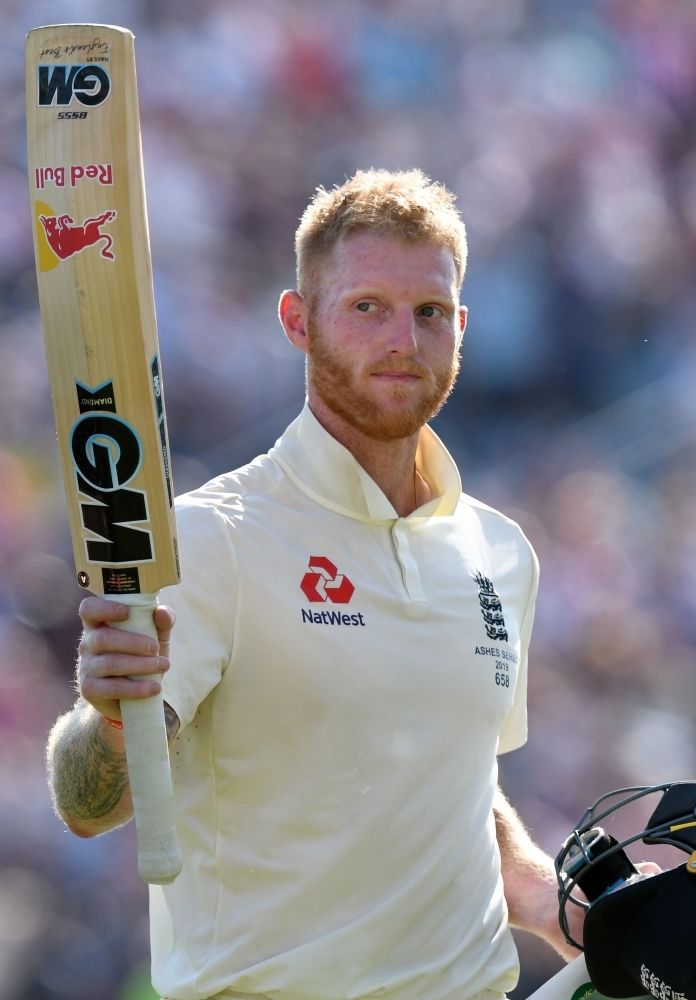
<point>350,656</point>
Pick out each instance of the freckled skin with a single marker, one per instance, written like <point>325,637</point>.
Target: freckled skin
<point>385,302</point>
<point>387,318</point>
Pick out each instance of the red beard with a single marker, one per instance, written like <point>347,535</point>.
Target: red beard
<point>345,392</point>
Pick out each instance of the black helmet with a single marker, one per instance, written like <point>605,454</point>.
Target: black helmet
<point>640,930</point>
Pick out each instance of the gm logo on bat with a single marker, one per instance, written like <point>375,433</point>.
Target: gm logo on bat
<point>107,454</point>
<point>59,84</point>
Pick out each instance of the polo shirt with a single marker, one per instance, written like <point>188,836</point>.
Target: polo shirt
<point>345,678</point>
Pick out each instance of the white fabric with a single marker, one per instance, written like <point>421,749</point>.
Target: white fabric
<point>335,770</point>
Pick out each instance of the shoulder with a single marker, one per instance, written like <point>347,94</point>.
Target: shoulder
<point>229,492</point>
<point>216,507</point>
<point>498,528</point>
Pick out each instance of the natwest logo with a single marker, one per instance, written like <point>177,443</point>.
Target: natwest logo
<point>325,583</point>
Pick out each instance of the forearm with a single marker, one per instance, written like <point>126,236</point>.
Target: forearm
<point>529,879</point>
<point>87,772</point>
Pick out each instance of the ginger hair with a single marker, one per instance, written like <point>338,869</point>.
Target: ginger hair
<point>405,204</point>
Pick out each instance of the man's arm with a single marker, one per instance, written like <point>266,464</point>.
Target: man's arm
<point>87,770</point>
<point>529,878</point>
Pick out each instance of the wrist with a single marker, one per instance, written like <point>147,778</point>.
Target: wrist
<point>107,709</point>
<point>112,734</point>
<point>532,900</point>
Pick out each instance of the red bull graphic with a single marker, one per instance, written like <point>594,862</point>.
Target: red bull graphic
<point>66,238</point>
<point>102,172</point>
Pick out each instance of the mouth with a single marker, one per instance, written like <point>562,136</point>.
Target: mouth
<point>401,377</point>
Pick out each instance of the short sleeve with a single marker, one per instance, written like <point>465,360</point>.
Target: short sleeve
<point>205,603</point>
<point>513,732</point>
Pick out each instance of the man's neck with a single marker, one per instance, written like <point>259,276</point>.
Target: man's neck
<point>391,464</point>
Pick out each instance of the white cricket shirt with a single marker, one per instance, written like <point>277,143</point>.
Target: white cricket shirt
<point>344,679</point>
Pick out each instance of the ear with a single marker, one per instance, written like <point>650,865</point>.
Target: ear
<point>463,314</point>
<point>293,313</point>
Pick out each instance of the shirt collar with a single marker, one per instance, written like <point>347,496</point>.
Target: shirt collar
<point>327,472</point>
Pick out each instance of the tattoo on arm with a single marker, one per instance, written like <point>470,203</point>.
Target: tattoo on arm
<point>171,721</point>
<point>89,776</point>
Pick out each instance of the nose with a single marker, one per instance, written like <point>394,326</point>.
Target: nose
<point>401,331</point>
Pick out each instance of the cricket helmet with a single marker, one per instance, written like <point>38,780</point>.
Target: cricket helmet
<point>639,935</point>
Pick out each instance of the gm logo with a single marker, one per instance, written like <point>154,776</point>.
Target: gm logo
<point>106,450</point>
<point>59,84</point>
<point>107,454</point>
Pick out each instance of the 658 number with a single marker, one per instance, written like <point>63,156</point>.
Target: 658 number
<point>502,680</point>
<point>72,114</point>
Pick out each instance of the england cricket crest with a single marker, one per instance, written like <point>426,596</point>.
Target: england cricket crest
<point>491,609</point>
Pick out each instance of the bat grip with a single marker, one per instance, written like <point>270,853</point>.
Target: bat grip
<point>147,756</point>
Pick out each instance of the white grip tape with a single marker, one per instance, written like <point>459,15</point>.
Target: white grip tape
<point>147,755</point>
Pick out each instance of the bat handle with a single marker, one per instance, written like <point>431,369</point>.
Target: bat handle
<point>147,756</point>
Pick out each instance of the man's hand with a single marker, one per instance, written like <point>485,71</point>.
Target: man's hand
<point>531,889</point>
<point>87,768</point>
<point>110,658</point>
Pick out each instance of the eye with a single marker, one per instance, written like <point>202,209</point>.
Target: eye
<point>365,306</point>
<point>430,312</point>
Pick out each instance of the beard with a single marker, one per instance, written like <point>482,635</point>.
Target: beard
<point>346,392</point>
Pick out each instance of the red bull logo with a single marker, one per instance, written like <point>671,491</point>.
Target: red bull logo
<point>60,237</point>
<point>102,172</point>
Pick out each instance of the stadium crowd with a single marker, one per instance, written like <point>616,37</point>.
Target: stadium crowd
<point>567,128</point>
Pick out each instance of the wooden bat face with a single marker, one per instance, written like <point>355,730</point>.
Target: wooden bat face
<point>95,289</point>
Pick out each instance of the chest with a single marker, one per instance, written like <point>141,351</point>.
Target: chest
<point>325,633</point>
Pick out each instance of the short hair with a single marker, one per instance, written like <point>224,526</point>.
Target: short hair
<point>404,204</point>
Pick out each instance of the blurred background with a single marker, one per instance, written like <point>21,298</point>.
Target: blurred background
<point>567,128</point>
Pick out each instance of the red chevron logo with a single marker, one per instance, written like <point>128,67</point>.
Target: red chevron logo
<point>324,583</point>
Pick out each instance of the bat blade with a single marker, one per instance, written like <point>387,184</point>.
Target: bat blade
<point>97,308</point>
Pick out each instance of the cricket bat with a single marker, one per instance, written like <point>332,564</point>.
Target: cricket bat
<point>97,307</point>
<point>571,983</point>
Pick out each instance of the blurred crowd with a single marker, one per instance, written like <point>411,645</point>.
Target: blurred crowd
<point>567,129</point>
